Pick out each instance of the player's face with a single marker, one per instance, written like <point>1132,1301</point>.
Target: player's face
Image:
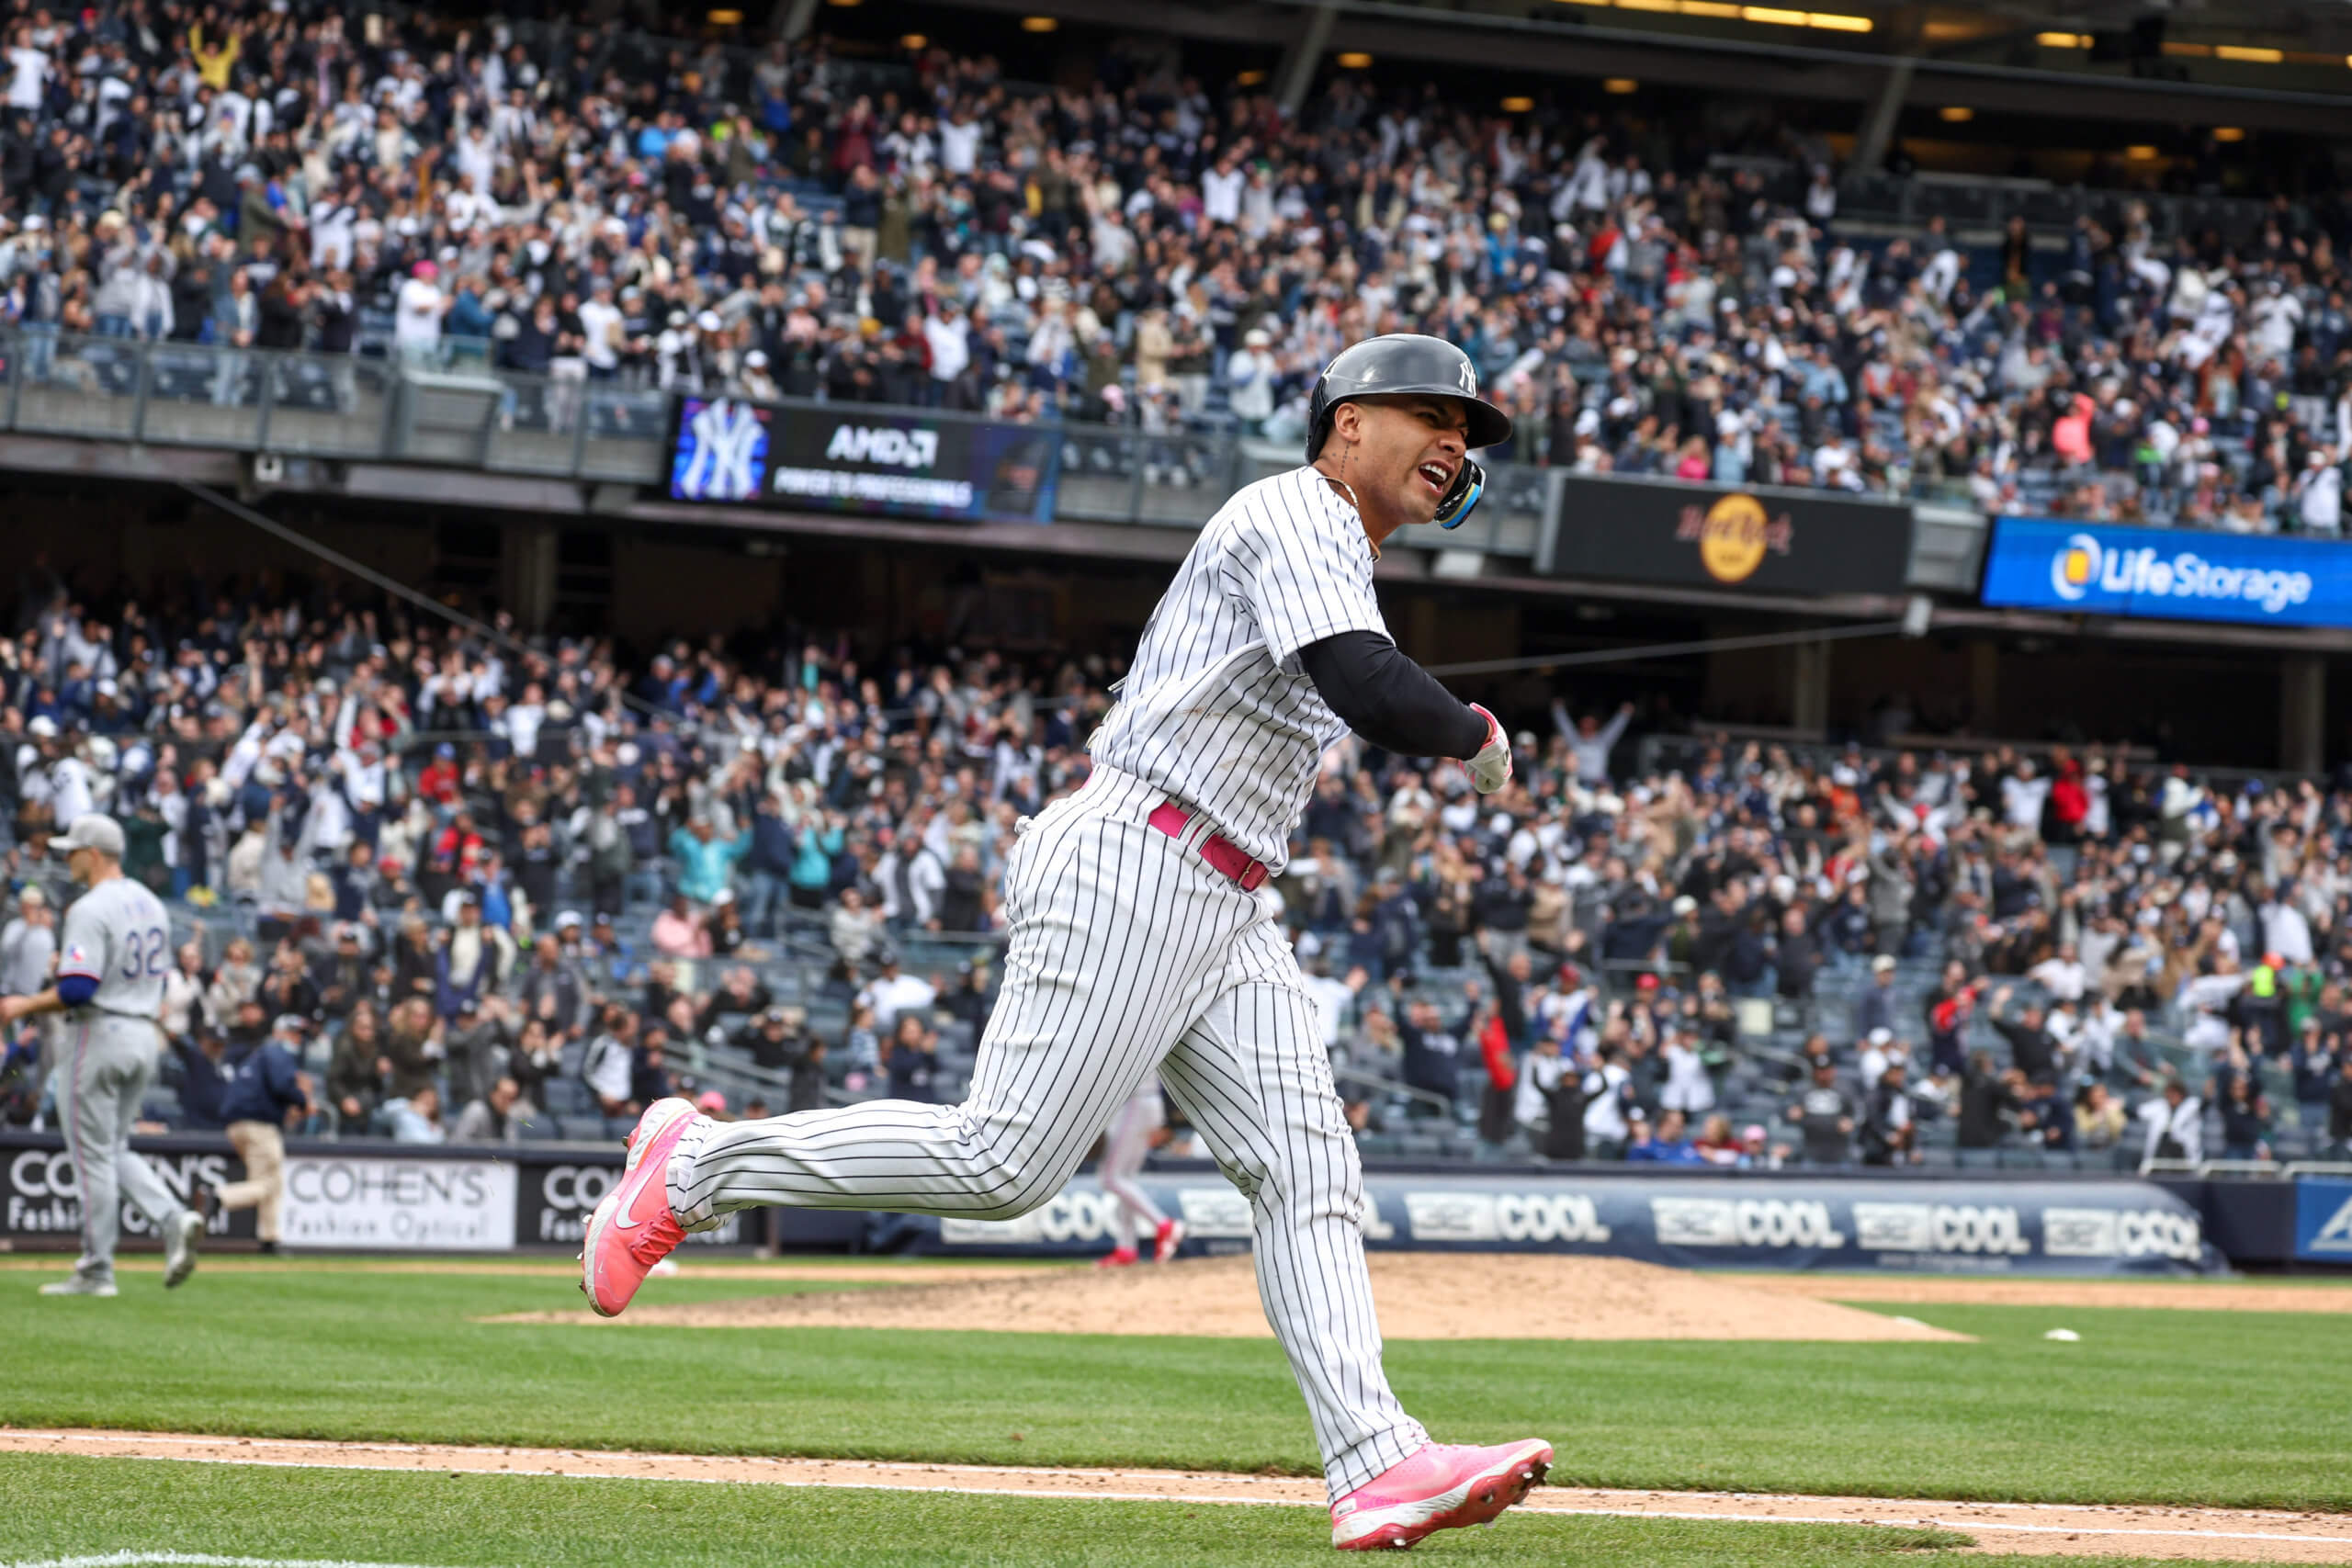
<point>1412,449</point>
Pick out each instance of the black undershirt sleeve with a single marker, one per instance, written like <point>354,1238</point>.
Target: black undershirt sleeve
<point>1388,699</point>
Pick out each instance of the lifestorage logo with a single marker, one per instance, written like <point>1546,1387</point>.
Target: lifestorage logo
<point>2082,566</point>
<point>2038,563</point>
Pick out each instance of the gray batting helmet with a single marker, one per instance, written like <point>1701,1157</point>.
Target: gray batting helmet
<point>1400,362</point>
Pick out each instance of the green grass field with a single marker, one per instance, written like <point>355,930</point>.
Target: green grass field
<point>2176,1406</point>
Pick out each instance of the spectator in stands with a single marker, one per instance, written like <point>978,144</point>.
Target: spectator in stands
<point>27,943</point>
<point>2339,1112</point>
<point>891,993</point>
<point>2176,1124</point>
<point>2033,1051</point>
<point>913,1060</point>
<point>357,1070</point>
<point>1874,1007</point>
<point>1670,1145</point>
<point>608,1066</point>
<point>678,932</point>
<point>1987,1099</point>
<point>649,1077</point>
<point>1611,1107</point>
<point>498,1117</point>
<point>2099,1121</point>
<point>416,1117</point>
<point>1432,1049</point>
<point>1824,1118</point>
<point>1590,741</point>
<point>2245,1119</point>
<point>1889,1128</point>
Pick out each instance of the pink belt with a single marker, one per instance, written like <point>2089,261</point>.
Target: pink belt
<point>1227,858</point>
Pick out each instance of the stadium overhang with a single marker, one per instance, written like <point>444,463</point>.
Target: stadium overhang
<point>1575,41</point>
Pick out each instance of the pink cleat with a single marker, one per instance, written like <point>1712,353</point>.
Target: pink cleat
<point>633,1228</point>
<point>1166,1239</point>
<point>1444,1486</point>
<point>1117,1257</point>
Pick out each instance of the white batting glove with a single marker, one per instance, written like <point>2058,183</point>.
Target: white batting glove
<point>1490,769</point>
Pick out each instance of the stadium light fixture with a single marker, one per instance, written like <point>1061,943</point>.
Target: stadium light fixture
<point>1649,4</point>
<point>914,41</point>
<point>2140,152</point>
<point>725,19</point>
<point>2248,55</point>
<point>1955,113</point>
<point>2229,134</point>
<point>1249,79</point>
<point>2062,40</point>
<point>1621,86</point>
<point>1834,22</point>
<point>1038,23</point>
<point>1771,15</point>
<point>1354,60</point>
<point>1711,8</point>
<point>1518,104</point>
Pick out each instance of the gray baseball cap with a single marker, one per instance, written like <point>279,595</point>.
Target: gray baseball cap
<point>91,830</point>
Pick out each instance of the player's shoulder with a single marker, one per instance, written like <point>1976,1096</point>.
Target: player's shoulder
<point>1287,505</point>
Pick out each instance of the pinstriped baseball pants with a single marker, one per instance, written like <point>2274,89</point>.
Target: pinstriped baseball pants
<point>1128,952</point>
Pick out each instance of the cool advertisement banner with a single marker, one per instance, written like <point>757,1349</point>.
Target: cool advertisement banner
<point>854,457</point>
<point>2076,1227</point>
<point>553,1203</point>
<point>1762,541</point>
<point>2323,1220</point>
<point>2040,563</point>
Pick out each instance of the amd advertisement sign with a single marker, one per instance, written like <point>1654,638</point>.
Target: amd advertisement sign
<point>856,457</point>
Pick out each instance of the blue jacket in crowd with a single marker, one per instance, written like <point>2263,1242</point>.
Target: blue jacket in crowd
<point>264,1087</point>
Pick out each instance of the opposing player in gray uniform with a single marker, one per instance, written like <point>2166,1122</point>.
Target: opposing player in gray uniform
<point>1142,937</point>
<point>110,967</point>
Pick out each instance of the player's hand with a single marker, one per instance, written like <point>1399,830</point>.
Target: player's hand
<point>1491,768</point>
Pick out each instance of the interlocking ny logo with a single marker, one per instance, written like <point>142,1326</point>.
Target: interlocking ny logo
<point>727,437</point>
<point>1469,380</point>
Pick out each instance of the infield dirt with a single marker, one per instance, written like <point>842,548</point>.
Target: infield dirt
<point>1421,1295</point>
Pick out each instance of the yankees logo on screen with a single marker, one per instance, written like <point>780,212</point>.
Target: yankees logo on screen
<point>722,451</point>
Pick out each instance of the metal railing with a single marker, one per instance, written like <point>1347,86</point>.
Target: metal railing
<point>439,410</point>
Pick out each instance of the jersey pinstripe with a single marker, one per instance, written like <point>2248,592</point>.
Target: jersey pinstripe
<point>1216,710</point>
<point>117,934</point>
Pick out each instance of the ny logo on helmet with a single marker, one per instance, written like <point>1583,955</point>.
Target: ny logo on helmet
<point>1469,378</point>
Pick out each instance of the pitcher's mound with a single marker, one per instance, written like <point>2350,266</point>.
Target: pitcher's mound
<point>1421,1295</point>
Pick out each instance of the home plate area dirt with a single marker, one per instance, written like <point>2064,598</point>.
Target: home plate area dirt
<point>2237,1535</point>
<point>1421,1295</point>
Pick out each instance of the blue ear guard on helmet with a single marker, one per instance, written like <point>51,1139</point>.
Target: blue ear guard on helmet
<point>1462,498</point>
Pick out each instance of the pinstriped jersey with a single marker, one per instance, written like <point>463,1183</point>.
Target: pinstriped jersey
<point>1216,710</point>
<point>117,936</point>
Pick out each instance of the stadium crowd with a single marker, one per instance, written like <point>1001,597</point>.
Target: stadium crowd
<point>599,206</point>
<point>465,878</point>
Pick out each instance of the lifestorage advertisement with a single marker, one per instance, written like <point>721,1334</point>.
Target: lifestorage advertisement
<point>2098,569</point>
<point>853,457</point>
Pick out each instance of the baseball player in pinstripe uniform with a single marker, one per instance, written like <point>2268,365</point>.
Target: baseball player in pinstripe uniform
<point>1129,1138</point>
<point>110,967</point>
<point>1141,937</point>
